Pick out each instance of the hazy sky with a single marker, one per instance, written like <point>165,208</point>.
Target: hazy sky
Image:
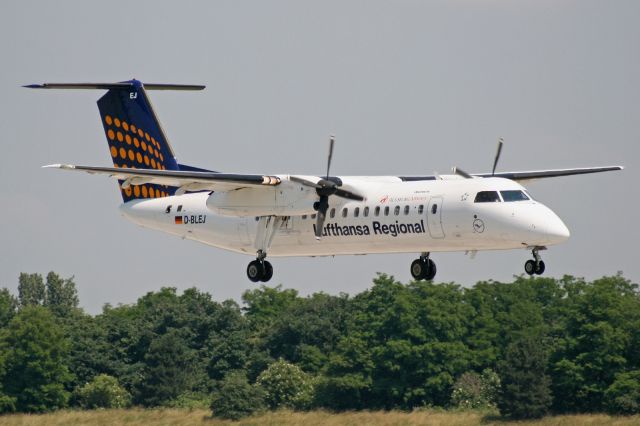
<point>407,87</point>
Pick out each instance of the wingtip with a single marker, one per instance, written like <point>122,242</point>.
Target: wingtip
<point>33,86</point>
<point>59,166</point>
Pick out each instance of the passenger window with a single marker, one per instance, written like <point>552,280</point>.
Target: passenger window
<point>304,216</point>
<point>386,210</point>
<point>406,210</point>
<point>313,216</point>
<point>356,212</point>
<point>420,209</point>
<point>376,212</point>
<point>434,209</point>
<point>345,212</point>
<point>396,210</point>
<point>487,197</point>
<point>365,212</point>
<point>332,213</point>
<point>515,195</point>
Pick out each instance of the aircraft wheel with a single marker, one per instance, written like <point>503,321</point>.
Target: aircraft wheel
<point>540,268</point>
<point>431,270</point>
<point>530,267</point>
<point>255,271</point>
<point>418,269</point>
<point>268,271</point>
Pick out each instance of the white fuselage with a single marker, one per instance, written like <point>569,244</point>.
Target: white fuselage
<point>396,216</point>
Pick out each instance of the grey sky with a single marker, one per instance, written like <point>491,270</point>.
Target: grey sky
<point>407,87</point>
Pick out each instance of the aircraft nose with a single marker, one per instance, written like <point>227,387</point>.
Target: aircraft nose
<point>553,228</point>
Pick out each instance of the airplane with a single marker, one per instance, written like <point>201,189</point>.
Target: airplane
<point>314,215</point>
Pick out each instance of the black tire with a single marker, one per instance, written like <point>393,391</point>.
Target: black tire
<point>540,268</point>
<point>268,271</point>
<point>418,269</point>
<point>255,271</point>
<point>530,267</point>
<point>431,270</point>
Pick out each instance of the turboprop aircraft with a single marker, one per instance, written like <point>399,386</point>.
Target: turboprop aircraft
<point>312,215</point>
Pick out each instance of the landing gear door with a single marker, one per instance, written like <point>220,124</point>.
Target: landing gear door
<point>434,217</point>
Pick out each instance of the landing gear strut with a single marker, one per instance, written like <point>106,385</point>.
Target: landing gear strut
<point>535,265</point>
<point>423,268</point>
<point>260,269</point>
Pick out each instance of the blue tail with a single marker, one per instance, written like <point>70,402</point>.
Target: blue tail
<point>135,137</point>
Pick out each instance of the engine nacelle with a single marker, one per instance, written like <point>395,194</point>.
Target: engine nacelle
<point>282,200</point>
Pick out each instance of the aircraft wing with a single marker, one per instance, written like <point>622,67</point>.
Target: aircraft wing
<point>184,180</point>
<point>540,174</point>
<point>527,175</point>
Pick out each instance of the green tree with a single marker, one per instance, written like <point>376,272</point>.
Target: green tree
<point>285,385</point>
<point>8,307</point>
<point>168,369</point>
<point>103,391</point>
<point>265,304</point>
<point>235,398</point>
<point>525,391</point>
<point>306,332</point>
<point>623,396</point>
<point>31,289</point>
<point>36,369</point>
<point>403,348</point>
<point>600,326</point>
<point>61,295</point>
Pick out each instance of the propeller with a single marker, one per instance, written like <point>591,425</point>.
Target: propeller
<point>459,171</point>
<point>325,187</point>
<point>495,162</point>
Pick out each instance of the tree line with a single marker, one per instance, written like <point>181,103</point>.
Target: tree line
<point>526,348</point>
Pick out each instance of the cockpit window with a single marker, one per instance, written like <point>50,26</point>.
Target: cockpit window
<point>487,197</point>
<point>515,195</point>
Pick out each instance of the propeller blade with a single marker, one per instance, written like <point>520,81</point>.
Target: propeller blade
<point>331,142</point>
<point>348,195</point>
<point>323,205</point>
<point>461,172</point>
<point>495,162</point>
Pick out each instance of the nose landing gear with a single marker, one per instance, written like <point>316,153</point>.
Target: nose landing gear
<point>535,265</point>
<point>423,268</point>
<point>260,269</point>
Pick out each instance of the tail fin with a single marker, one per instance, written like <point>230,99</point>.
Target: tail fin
<point>134,134</point>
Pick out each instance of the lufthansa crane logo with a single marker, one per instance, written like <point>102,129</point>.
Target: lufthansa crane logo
<point>478,226</point>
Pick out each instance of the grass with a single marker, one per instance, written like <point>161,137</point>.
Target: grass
<point>169,417</point>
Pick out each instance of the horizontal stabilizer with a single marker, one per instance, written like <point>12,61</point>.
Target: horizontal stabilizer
<point>115,86</point>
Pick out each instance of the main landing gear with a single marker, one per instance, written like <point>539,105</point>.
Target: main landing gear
<point>535,265</point>
<point>260,269</point>
<point>423,268</point>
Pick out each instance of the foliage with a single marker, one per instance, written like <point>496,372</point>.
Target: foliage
<point>61,295</point>
<point>473,391</point>
<point>525,392</point>
<point>623,396</point>
<point>191,401</point>
<point>235,398</point>
<point>393,346</point>
<point>285,385</point>
<point>31,289</point>
<point>103,391</point>
<point>35,352</point>
<point>8,306</point>
<point>168,369</point>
